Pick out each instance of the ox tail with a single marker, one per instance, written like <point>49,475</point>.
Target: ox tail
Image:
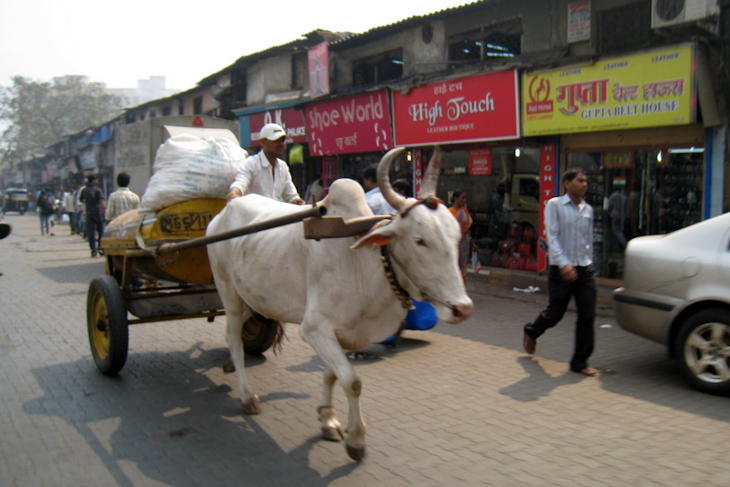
<point>261,333</point>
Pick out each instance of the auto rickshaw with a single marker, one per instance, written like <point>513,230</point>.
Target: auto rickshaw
<point>16,199</point>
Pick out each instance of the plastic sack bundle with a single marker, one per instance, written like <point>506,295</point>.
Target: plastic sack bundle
<point>422,317</point>
<point>188,167</point>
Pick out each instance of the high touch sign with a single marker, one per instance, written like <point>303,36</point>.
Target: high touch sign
<point>477,108</point>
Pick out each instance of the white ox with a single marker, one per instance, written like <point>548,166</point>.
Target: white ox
<point>337,289</point>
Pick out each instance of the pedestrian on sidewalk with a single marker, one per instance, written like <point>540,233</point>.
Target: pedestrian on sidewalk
<point>122,200</point>
<point>45,211</point>
<point>93,198</point>
<point>69,207</point>
<point>569,224</point>
<point>460,212</point>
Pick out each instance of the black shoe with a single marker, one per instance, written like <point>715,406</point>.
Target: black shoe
<point>94,254</point>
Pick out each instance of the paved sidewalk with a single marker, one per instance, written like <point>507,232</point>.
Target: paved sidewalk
<point>458,405</point>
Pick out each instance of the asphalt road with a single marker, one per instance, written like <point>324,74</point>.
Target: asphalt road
<point>457,405</point>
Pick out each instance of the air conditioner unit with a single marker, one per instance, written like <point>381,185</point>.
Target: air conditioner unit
<point>666,13</point>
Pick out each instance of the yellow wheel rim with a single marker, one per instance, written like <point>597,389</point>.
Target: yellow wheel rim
<point>100,327</point>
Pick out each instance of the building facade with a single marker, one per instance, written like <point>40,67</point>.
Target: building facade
<point>515,92</point>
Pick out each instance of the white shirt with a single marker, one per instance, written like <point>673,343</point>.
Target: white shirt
<point>569,231</point>
<point>377,202</point>
<point>256,177</point>
<point>69,202</point>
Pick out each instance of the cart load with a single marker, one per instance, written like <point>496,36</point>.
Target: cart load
<point>129,242</point>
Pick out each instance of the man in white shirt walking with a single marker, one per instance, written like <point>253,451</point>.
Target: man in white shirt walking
<point>265,173</point>
<point>569,224</point>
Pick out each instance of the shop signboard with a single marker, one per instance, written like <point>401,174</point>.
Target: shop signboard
<point>476,108</point>
<point>290,119</point>
<point>480,162</point>
<point>329,171</point>
<point>548,189</point>
<point>359,123</point>
<point>417,171</point>
<point>650,89</point>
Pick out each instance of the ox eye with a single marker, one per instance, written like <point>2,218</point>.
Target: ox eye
<point>421,242</point>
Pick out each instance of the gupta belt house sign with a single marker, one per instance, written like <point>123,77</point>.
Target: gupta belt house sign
<point>359,123</point>
<point>477,108</point>
<point>651,89</point>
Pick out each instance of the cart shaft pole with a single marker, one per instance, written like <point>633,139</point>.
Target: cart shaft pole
<point>314,211</point>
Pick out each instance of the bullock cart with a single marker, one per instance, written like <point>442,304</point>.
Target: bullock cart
<point>157,269</point>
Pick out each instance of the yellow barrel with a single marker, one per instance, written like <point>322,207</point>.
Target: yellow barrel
<point>129,233</point>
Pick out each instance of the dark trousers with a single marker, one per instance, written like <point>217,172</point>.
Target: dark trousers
<point>72,221</point>
<point>560,291</point>
<point>94,223</point>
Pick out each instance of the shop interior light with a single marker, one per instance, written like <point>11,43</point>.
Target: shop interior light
<point>687,150</point>
<point>659,156</point>
<point>517,152</point>
<point>408,156</point>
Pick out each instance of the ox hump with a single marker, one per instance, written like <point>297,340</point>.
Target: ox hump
<point>346,198</point>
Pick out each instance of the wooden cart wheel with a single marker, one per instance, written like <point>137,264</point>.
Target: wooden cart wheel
<point>259,334</point>
<point>106,320</point>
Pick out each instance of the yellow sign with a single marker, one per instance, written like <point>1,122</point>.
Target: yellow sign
<point>652,89</point>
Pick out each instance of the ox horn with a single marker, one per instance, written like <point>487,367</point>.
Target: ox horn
<point>430,181</point>
<point>394,199</point>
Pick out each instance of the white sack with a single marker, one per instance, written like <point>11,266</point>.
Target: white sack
<point>188,167</point>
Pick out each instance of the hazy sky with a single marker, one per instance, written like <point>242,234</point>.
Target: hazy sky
<point>118,43</point>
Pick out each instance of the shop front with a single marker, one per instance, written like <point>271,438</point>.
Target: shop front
<point>476,122</point>
<point>631,124</point>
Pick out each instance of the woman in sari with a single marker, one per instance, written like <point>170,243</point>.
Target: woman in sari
<point>458,209</point>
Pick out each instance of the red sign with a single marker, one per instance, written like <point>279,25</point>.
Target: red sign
<point>197,121</point>
<point>290,119</point>
<point>478,108</point>
<point>360,123</point>
<point>480,162</point>
<point>548,182</point>
<point>417,171</point>
<point>329,171</point>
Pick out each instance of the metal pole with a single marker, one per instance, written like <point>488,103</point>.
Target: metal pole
<point>314,211</point>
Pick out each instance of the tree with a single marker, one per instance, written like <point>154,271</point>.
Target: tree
<point>37,114</point>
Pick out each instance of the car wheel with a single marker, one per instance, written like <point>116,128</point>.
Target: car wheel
<point>703,351</point>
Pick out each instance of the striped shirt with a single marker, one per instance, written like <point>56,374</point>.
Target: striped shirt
<point>121,201</point>
<point>569,231</point>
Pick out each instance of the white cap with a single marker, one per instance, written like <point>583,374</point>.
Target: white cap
<point>272,131</point>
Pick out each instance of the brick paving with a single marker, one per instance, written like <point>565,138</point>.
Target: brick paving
<point>457,405</point>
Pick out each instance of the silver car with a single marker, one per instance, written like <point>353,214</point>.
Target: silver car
<point>677,292</point>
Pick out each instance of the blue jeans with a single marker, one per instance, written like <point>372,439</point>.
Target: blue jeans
<point>80,223</point>
<point>94,223</point>
<point>44,222</point>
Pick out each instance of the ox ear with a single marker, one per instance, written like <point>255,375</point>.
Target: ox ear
<point>380,234</point>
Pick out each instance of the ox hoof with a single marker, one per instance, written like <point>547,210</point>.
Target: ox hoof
<point>252,406</point>
<point>356,454</point>
<point>228,367</point>
<point>333,433</point>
